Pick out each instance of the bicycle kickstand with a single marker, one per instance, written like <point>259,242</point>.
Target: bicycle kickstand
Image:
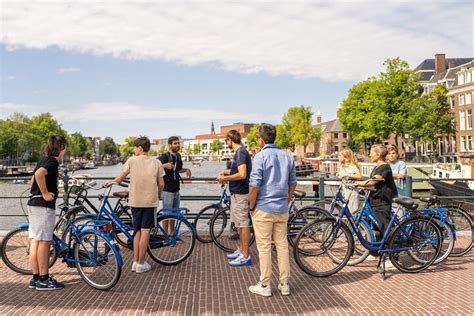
<point>381,265</point>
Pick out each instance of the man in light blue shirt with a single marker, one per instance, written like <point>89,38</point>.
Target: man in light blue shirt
<point>272,184</point>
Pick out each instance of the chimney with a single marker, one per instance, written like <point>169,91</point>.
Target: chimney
<point>451,64</point>
<point>318,117</point>
<point>440,63</point>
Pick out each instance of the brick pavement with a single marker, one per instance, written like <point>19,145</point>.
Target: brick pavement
<point>205,284</point>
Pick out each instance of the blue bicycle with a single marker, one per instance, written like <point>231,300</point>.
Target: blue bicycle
<point>169,244</point>
<point>88,247</point>
<point>325,246</point>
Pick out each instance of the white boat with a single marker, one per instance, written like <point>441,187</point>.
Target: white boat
<point>77,179</point>
<point>448,180</point>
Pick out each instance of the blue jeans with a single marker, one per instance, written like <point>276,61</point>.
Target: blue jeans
<point>170,199</point>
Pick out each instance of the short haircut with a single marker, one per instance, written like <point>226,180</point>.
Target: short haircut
<point>55,145</point>
<point>234,136</point>
<point>172,139</point>
<point>392,147</point>
<point>381,150</point>
<point>142,142</point>
<point>267,132</point>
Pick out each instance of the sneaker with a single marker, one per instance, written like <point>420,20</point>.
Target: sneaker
<point>241,261</point>
<point>234,255</point>
<point>32,284</point>
<point>389,266</point>
<point>134,266</point>
<point>371,258</point>
<point>49,285</point>
<point>142,268</point>
<point>259,289</point>
<point>284,289</point>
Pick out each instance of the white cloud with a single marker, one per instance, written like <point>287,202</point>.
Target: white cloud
<point>332,40</point>
<point>126,112</point>
<point>67,70</point>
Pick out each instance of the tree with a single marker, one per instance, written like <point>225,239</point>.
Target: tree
<point>283,137</point>
<point>152,152</point>
<point>126,150</point>
<point>252,137</point>
<point>379,106</point>
<point>216,145</point>
<point>196,149</point>
<point>298,129</point>
<point>79,146</point>
<point>107,147</point>
<point>430,116</point>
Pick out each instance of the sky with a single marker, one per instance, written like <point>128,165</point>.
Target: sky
<point>108,68</point>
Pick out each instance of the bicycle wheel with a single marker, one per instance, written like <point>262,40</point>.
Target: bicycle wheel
<point>360,252</point>
<point>120,237</point>
<point>202,223</point>
<point>171,248</point>
<point>224,233</point>
<point>416,244</point>
<point>448,232</point>
<point>301,218</point>
<point>318,243</point>
<point>464,230</point>
<point>98,260</point>
<point>328,206</point>
<point>15,250</point>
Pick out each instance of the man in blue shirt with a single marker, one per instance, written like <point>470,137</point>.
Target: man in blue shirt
<point>272,184</point>
<point>238,179</point>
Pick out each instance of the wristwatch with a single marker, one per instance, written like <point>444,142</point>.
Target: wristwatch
<point>251,209</point>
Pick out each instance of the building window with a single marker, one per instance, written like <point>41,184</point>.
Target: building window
<point>468,77</point>
<point>344,135</point>
<point>336,135</point>
<point>461,99</point>
<point>469,119</point>
<point>468,98</point>
<point>461,78</point>
<point>453,143</point>
<point>451,102</point>
<point>463,143</point>
<point>469,143</point>
<point>462,120</point>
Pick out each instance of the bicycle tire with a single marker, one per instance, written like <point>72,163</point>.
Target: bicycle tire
<point>415,234</point>
<point>224,235</point>
<point>447,246</point>
<point>163,249</point>
<point>461,220</point>
<point>315,239</point>
<point>301,218</point>
<point>93,251</point>
<point>16,257</point>
<point>202,223</point>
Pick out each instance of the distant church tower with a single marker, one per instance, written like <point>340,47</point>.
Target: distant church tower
<point>213,131</point>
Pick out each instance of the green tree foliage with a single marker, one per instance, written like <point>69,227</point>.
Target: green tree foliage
<point>22,138</point>
<point>126,150</point>
<point>252,138</point>
<point>283,137</point>
<point>379,106</point>
<point>79,146</point>
<point>429,116</point>
<point>108,147</point>
<point>297,128</point>
<point>196,149</point>
<point>216,145</point>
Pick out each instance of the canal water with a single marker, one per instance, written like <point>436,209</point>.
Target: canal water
<point>11,213</point>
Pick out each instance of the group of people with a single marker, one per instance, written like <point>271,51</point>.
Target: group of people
<point>261,189</point>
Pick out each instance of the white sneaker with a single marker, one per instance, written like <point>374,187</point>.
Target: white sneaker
<point>134,266</point>
<point>371,258</point>
<point>389,266</point>
<point>284,289</point>
<point>142,268</point>
<point>259,289</point>
<point>234,255</point>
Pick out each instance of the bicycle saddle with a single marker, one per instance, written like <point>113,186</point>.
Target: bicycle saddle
<point>429,199</point>
<point>405,202</point>
<point>121,194</point>
<point>299,194</point>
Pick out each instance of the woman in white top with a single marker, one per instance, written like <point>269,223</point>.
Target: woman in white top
<point>349,167</point>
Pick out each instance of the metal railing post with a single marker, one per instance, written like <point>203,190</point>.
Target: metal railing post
<point>321,188</point>
<point>410,186</point>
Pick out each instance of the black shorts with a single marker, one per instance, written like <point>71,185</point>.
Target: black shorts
<point>143,217</point>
